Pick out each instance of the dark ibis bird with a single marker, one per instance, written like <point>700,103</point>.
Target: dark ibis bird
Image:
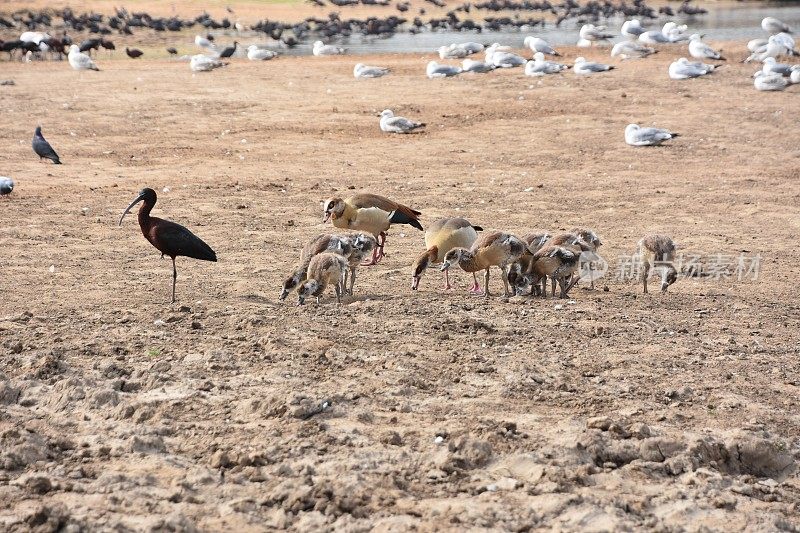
<point>172,51</point>
<point>43,148</point>
<point>133,53</point>
<point>229,51</point>
<point>169,238</point>
<point>6,185</point>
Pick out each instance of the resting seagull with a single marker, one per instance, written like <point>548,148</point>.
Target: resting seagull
<point>472,65</point>
<point>435,70</point>
<point>539,66</point>
<point>366,71</point>
<point>537,44</point>
<point>771,66</point>
<point>43,148</point>
<point>683,69</point>
<point>201,63</point>
<point>592,33</point>
<point>80,61</point>
<point>769,82</point>
<point>700,50</point>
<point>393,124</point>
<point>772,26</point>
<point>635,135</point>
<point>254,53</point>
<point>322,49</point>
<point>583,67</point>
<point>632,29</point>
<point>631,50</point>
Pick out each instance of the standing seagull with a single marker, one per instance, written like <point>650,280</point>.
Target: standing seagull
<point>169,238</point>
<point>393,124</point>
<point>80,61</point>
<point>43,148</point>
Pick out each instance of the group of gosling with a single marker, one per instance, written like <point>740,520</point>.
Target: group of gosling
<point>526,263</point>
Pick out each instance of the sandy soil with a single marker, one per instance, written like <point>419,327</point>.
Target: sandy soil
<point>612,411</point>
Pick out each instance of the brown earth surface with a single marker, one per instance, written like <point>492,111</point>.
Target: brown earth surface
<point>611,411</point>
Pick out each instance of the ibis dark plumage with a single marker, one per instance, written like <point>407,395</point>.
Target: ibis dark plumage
<point>229,51</point>
<point>133,53</point>
<point>167,237</point>
<point>43,148</point>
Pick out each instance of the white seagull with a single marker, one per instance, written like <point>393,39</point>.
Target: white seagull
<point>480,67</point>
<point>435,70</point>
<point>80,61</point>
<point>539,66</point>
<point>393,124</point>
<point>583,67</point>
<point>700,50</point>
<point>452,52</point>
<point>201,63</point>
<point>635,135</point>
<point>204,43</point>
<point>771,66</point>
<point>683,69</point>
<point>537,44</point>
<point>367,71</point>
<point>632,29</point>
<point>322,49</point>
<point>499,56</point>
<point>592,33</point>
<point>631,50</point>
<point>772,26</point>
<point>781,44</point>
<point>254,53</point>
<point>769,82</point>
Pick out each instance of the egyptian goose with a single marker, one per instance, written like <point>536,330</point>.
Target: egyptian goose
<point>324,242</point>
<point>494,249</point>
<point>361,245</point>
<point>371,213</point>
<point>520,272</point>
<point>559,263</point>
<point>590,238</point>
<point>324,269</point>
<point>658,252</point>
<point>441,237</point>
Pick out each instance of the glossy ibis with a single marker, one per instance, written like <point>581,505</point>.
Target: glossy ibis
<point>133,53</point>
<point>6,185</point>
<point>43,148</point>
<point>229,51</point>
<point>169,238</point>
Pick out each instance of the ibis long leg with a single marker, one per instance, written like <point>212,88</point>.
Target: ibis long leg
<point>174,279</point>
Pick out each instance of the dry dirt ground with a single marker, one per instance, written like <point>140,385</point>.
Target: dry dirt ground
<point>396,410</point>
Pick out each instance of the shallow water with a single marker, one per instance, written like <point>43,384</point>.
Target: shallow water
<point>738,23</point>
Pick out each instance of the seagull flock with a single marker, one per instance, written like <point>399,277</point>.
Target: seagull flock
<point>639,42</point>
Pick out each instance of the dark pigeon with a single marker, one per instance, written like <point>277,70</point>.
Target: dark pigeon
<point>6,186</point>
<point>133,53</point>
<point>43,148</point>
<point>172,51</point>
